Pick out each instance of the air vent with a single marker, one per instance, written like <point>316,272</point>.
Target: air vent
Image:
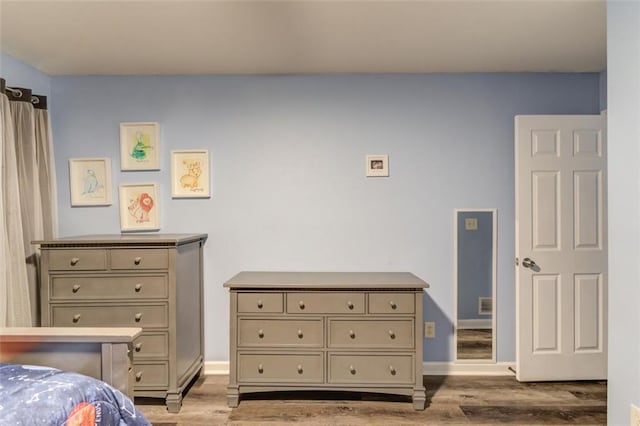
<point>485,305</point>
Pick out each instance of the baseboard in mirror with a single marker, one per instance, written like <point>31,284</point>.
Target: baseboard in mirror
<point>474,324</point>
<point>218,368</point>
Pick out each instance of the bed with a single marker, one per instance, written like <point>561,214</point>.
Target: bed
<point>70,376</point>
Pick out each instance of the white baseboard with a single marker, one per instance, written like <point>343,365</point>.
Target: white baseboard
<point>470,324</point>
<point>467,369</point>
<point>217,368</point>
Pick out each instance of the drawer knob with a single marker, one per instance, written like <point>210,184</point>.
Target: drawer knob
<point>350,304</point>
<point>138,376</point>
<point>76,318</point>
<point>300,334</point>
<point>75,288</point>
<point>138,287</point>
<point>74,261</point>
<point>392,334</point>
<point>260,304</point>
<point>138,347</point>
<point>260,333</point>
<point>138,316</point>
<point>393,305</point>
<point>352,334</point>
<point>392,370</point>
<point>352,369</point>
<point>300,370</point>
<point>260,369</point>
<point>137,260</point>
<point>301,304</point>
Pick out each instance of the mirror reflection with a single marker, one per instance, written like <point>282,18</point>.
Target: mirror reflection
<point>475,259</point>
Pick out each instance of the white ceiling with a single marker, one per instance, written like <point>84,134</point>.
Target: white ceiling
<point>322,36</point>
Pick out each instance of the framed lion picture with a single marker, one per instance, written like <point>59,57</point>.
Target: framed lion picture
<point>139,207</point>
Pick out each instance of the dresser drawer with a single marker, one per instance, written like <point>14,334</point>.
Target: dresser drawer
<point>325,303</point>
<point>77,260</point>
<point>391,303</point>
<point>149,375</point>
<point>280,332</point>
<point>371,333</point>
<point>260,302</point>
<point>139,259</point>
<point>84,287</point>
<point>151,345</point>
<point>371,369</point>
<point>111,316</point>
<point>280,367</point>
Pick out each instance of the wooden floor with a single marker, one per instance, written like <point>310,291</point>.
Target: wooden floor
<point>464,400</point>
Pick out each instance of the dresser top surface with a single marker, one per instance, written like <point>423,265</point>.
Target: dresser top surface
<point>317,280</point>
<point>123,239</point>
<point>70,334</point>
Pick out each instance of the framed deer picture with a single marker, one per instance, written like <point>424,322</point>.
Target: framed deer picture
<point>190,174</point>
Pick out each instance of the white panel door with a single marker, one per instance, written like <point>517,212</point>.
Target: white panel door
<point>561,248</point>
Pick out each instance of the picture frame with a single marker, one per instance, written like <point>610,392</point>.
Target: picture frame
<point>377,165</point>
<point>90,181</point>
<point>139,210</point>
<point>190,174</point>
<point>139,146</point>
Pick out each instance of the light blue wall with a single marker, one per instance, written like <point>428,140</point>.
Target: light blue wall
<point>18,74</point>
<point>623,69</point>
<point>475,272</point>
<point>288,171</point>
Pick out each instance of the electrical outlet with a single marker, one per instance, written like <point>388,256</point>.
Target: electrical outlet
<point>635,416</point>
<point>429,329</point>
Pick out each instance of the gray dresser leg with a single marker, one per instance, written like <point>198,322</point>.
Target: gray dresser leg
<point>233,396</point>
<point>174,402</point>
<point>419,398</point>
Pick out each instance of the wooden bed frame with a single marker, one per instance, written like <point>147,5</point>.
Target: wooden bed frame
<point>103,353</point>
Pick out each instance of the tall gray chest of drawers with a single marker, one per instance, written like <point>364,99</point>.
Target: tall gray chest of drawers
<point>326,331</point>
<point>153,281</point>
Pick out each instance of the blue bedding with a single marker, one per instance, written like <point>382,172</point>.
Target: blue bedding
<point>31,395</point>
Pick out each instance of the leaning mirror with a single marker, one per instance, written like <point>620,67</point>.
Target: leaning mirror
<point>475,284</point>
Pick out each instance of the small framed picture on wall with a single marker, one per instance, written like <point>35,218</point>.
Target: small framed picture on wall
<point>190,174</point>
<point>90,181</point>
<point>377,165</point>
<point>139,207</point>
<point>139,146</point>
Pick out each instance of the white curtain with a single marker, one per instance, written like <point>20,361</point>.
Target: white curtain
<point>15,301</point>
<point>47,173</point>
<point>30,197</point>
<point>27,207</point>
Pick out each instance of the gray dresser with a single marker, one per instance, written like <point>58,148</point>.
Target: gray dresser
<point>326,331</point>
<point>152,281</point>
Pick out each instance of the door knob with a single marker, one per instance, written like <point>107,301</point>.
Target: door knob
<point>528,263</point>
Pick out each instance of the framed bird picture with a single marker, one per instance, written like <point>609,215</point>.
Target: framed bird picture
<point>90,181</point>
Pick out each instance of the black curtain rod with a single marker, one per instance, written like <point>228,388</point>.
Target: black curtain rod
<point>23,94</point>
